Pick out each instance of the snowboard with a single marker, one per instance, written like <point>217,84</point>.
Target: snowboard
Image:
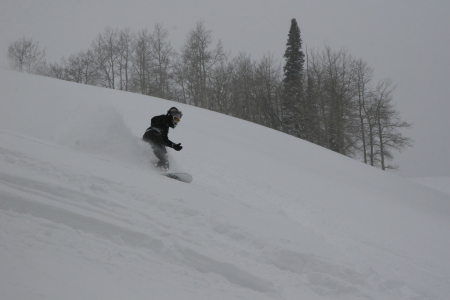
<point>184,177</point>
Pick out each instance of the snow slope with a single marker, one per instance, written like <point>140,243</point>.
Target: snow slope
<point>268,216</point>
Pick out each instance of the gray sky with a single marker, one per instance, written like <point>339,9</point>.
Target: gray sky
<point>405,40</point>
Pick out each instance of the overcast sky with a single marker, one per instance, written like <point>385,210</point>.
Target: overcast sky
<point>405,40</point>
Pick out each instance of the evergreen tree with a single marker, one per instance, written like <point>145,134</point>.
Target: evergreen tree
<point>292,105</point>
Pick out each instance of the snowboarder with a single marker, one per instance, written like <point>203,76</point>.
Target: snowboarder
<point>157,136</point>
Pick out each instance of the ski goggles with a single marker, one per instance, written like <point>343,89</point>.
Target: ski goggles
<point>176,119</point>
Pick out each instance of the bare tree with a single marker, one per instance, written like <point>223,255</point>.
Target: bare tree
<point>81,68</point>
<point>363,78</point>
<point>26,55</point>
<point>142,61</point>
<point>268,103</point>
<point>388,123</point>
<point>315,93</point>
<point>243,82</point>
<point>369,108</point>
<point>311,105</point>
<point>105,48</point>
<point>220,87</point>
<point>197,62</point>
<point>180,77</point>
<point>162,58</point>
<point>339,93</point>
<point>125,52</point>
<point>57,71</point>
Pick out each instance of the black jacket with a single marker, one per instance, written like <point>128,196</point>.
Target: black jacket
<point>159,130</point>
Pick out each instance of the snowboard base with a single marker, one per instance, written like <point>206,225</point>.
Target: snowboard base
<point>184,177</point>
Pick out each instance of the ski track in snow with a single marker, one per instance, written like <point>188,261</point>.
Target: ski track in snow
<point>82,216</point>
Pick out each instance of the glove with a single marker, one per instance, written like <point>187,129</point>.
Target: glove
<point>177,147</point>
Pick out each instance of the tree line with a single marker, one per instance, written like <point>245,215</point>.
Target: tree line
<point>326,97</point>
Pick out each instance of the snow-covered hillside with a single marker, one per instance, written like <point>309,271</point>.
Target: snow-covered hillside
<point>83,215</point>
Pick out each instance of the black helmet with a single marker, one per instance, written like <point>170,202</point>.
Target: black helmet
<point>176,115</point>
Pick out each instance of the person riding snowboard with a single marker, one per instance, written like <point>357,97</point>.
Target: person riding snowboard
<point>157,136</point>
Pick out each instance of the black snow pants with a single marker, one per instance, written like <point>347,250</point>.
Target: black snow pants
<point>156,141</point>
